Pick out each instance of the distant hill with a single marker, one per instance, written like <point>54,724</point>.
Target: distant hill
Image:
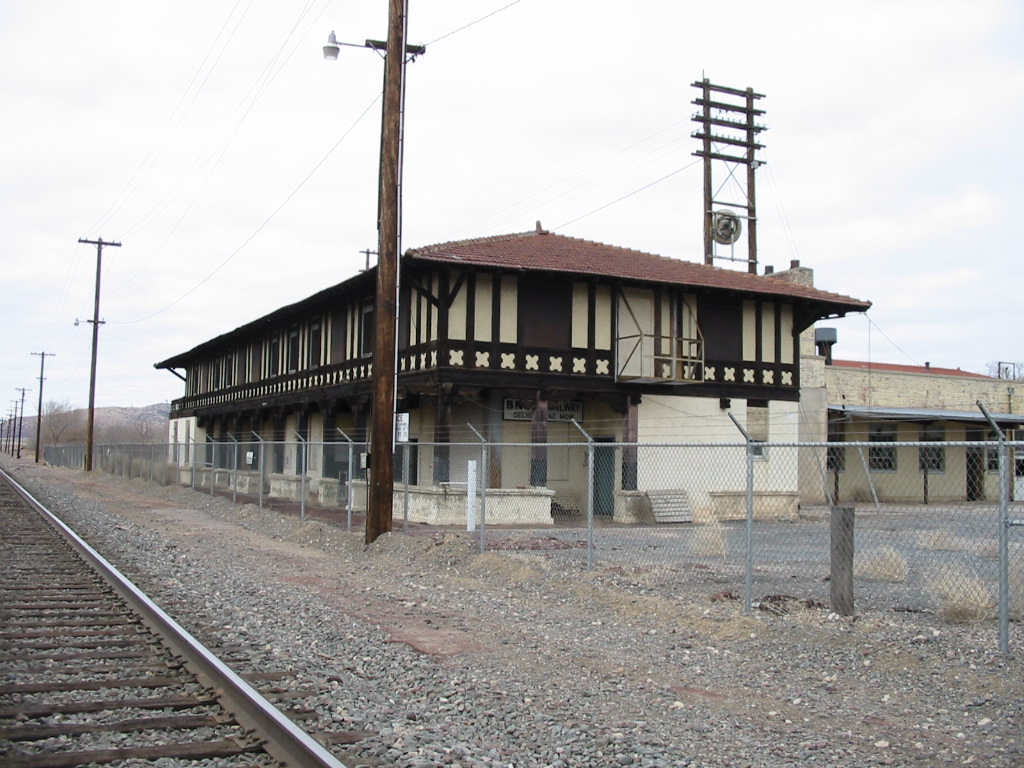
<point>113,424</point>
<point>148,418</point>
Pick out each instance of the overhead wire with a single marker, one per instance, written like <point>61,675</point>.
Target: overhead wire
<point>212,155</point>
<point>145,165</point>
<point>598,181</point>
<point>473,23</point>
<point>787,228</point>
<point>266,82</point>
<point>262,226</point>
<point>165,135</point>
<point>628,195</point>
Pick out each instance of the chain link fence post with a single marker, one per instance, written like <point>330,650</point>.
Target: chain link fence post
<point>485,451</point>
<point>348,479</point>
<point>590,495</point>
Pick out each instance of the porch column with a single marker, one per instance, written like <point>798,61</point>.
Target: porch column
<point>495,435</point>
<point>539,438</point>
<point>630,435</point>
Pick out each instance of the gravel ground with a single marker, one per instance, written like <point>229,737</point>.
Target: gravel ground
<point>426,653</point>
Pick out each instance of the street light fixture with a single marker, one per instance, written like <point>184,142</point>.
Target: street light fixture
<point>333,47</point>
<point>380,494</point>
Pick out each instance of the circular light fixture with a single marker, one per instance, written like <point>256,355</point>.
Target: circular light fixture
<point>332,47</point>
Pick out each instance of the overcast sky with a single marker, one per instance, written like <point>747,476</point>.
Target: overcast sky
<point>239,169</point>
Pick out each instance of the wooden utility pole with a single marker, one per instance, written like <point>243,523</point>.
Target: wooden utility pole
<point>95,345</point>
<point>728,133</point>
<point>382,429</point>
<point>39,413</point>
<point>21,418</point>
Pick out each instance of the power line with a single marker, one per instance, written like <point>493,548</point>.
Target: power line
<point>260,228</point>
<point>216,148</point>
<point>628,195</point>
<point>156,149</point>
<point>472,23</point>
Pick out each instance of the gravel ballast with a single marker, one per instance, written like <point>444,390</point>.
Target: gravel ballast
<point>418,651</point>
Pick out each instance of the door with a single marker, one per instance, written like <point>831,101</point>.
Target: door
<point>975,473</point>
<point>604,477</point>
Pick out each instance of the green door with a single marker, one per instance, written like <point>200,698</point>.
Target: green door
<point>604,477</point>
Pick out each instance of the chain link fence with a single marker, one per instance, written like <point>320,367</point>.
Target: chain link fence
<point>910,527</point>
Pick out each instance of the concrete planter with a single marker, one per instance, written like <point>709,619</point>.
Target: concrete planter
<point>435,505</point>
<point>768,505</point>
<point>632,508</point>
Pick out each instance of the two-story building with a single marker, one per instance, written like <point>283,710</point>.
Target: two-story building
<point>517,335</point>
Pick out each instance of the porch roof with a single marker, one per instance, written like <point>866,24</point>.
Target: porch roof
<point>926,414</point>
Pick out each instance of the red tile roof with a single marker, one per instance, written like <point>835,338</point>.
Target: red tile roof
<point>897,368</point>
<point>547,252</point>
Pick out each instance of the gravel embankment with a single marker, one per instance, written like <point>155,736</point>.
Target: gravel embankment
<point>434,655</point>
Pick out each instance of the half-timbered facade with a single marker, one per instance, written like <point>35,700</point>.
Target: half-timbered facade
<point>517,335</point>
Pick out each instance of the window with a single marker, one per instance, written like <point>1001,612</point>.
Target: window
<point>835,457</point>
<point>293,349</point>
<point>932,459</point>
<point>366,330</point>
<point>274,356</point>
<point>314,356</point>
<point>883,457</point>
<point>992,454</point>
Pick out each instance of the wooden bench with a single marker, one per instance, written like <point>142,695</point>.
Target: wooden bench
<point>670,506</point>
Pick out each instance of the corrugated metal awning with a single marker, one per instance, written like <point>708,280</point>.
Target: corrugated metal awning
<point>925,414</point>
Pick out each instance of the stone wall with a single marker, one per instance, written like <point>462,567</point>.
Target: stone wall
<point>923,389</point>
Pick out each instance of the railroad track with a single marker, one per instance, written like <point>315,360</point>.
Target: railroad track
<point>92,671</point>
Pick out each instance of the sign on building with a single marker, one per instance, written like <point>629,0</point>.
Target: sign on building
<point>522,410</point>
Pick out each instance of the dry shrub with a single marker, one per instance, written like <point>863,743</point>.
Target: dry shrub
<point>961,595</point>
<point>711,541</point>
<point>882,564</point>
<point>939,540</point>
<point>1017,592</point>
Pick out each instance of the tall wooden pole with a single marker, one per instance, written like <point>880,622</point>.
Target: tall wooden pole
<point>751,194</point>
<point>382,430</point>
<point>21,418</point>
<point>91,422</point>
<point>39,413</point>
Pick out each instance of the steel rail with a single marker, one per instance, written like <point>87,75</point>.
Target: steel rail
<point>284,740</point>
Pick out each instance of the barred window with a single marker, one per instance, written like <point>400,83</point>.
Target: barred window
<point>932,459</point>
<point>882,458</point>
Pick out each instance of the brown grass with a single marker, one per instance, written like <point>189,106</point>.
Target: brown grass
<point>882,564</point>
<point>711,541</point>
<point>962,596</point>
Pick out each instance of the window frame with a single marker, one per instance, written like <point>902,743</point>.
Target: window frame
<point>882,458</point>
